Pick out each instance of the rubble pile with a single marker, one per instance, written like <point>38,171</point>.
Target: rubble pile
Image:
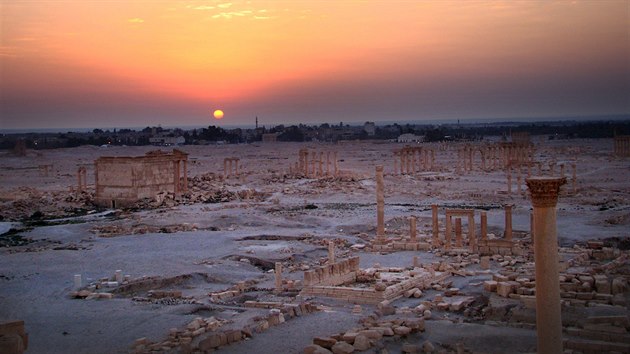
<point>24,204</point>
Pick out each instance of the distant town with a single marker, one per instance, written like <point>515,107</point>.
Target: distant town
<point>402,133</point>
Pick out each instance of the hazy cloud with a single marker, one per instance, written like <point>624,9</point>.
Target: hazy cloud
<point>135,20</point>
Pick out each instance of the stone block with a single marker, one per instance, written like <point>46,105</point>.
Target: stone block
<point>342,348</point>
<point>484,262</point>
<point>361,342</point>
<point>316,349</point>
<point>325,342</point>
<point>410,348</point>
<point>490,285</point>
<point>505,288</point>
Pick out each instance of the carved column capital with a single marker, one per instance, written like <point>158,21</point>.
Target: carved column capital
<point>544,190</point>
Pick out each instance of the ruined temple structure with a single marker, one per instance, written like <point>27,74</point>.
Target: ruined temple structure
<point>124,180</point>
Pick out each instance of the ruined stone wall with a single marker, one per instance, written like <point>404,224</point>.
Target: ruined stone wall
<point>342,272</point>
<point>121,181</point>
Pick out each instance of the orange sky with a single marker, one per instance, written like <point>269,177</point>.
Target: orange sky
<point>77,63</point>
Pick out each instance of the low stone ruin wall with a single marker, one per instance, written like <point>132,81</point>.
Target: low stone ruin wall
<point>342,272</point>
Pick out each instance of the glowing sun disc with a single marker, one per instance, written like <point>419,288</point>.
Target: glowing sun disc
<point>218,114</point>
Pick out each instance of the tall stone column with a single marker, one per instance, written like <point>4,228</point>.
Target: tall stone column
<point>574,178</point>
<point>185,175</point>
<point>335,165</point>
<point>508,222</point>
<point>509,182</point>
<point>436,229</point>
<point>484,226</point>
<point>331,252</point>
<point>278,277</point>
<point>458,233</point>
<point>447,237</point>
<point>327,163</point>
<point>380,205</point>
<point>412,229</point>
<point>544,193</point>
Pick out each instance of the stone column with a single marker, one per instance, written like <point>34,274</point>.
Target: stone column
<point>412,229</point>
<point>531,227</point>
<point>472,238</point>
<point>402,162</point>
<point>447,237</point>
<point>335,165</point>
<point>80,187</point>
<point>278,275</point>
<point>508,222</point>
<point>484,226</point>
<point>185,175</point>
<point>413,161</point>
<point>380,205</point>
<point>574,178</point>
<point>509,182</point>
<point>236,167</point>
<point>519,188</point>
<point>432,159</point>
<point>436,229</point>
<point>395,162</point>
<point>306,163</point>
<point>321,164</point>
<point>77,281</point>
<point>458,233</point>
<point>544,193</point>
<point>561,170</point>
<point>327,163</point>
<point>331,252</point>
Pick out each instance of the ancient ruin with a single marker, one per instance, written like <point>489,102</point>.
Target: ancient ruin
<point>300,257</point>
<point>122,181</point>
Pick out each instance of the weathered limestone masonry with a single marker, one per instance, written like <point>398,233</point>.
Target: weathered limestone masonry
<point>333,274</point>
<point>327,281</point>
<point>544,193</point>
<point>459,244</point>
<point>474,244</point>
<point>13,337</point>
<point>311,163</point>
<point>228,171</point>
<point>81,179</point>
<point>414,159</point>
<point>622,145</point>
<point>504,246</point>
<point>380,207</point>
<point>123,181</point>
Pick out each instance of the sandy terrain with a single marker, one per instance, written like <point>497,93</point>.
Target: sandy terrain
<point>201,248</point>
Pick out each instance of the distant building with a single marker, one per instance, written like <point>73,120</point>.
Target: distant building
<point>167,140</point>
<point>270,137</point>
<point>369,128</point>
<point>122,181</point>
<point>410,138</point>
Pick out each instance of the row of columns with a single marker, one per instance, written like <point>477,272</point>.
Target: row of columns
<point>520,179</point>
<point>493,157</point>
<point>311,163</point>
<point>413,159</point>
<point>230,167</point>
<point>544,193</point>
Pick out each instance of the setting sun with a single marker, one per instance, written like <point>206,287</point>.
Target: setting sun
<point>218,114</point>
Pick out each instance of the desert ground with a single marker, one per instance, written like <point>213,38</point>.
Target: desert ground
<point>198,270</point>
